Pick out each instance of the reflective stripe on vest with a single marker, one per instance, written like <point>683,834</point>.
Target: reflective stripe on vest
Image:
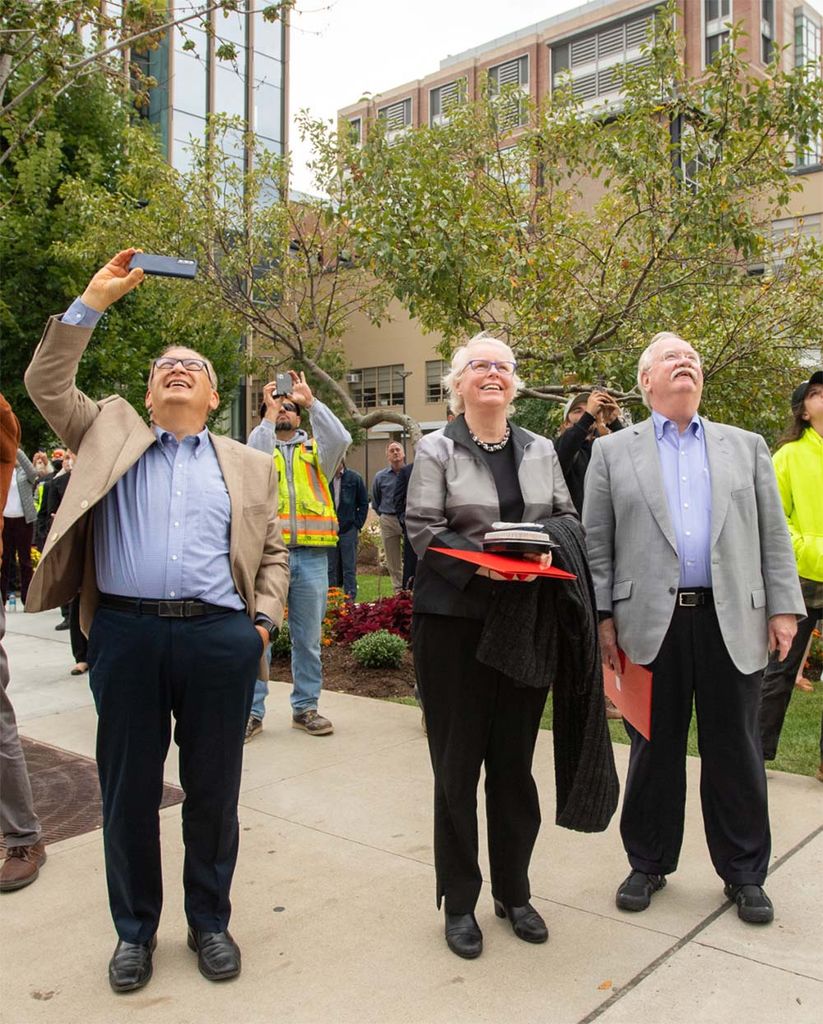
<point>315,518</point>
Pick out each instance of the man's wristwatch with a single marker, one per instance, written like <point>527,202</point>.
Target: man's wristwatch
<point>266,623</point>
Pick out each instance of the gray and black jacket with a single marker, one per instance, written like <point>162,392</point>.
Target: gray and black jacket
<point>452,502</point>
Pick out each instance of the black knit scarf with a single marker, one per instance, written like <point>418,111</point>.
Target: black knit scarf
<point>545,634</point>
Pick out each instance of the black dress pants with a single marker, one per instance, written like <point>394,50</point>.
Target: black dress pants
<point>476,716</point>
<point>143,670</point>
<point>694,665</point>
<point>778,686</point>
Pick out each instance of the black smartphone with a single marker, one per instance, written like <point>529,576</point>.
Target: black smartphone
<point>283,384</point>
<point>164,266</point>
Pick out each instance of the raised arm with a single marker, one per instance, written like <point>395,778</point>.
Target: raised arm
<point>50,378</point>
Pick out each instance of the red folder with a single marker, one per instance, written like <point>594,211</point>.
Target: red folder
<point>631,692</point>
<point>506,565</point>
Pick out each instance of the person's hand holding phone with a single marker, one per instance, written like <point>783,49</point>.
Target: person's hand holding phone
<point>112,281</point>
<point>301,392</point>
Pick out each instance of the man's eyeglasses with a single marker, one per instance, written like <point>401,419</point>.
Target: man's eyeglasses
<point>504,366</point>
<point>289,407</point>
<point>169,363</point>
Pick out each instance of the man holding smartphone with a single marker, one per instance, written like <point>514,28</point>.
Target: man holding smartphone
<point>167,532</point>
<point>586,417</point>
<point>305,465</point>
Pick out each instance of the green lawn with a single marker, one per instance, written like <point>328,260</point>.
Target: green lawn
<point>370,587</point>
<point>798,752</point>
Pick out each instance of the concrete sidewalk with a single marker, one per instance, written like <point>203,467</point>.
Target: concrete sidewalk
<point>334,896</point>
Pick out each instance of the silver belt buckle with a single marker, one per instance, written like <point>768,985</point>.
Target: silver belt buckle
<point>171,609</point>
<point>688,599</point>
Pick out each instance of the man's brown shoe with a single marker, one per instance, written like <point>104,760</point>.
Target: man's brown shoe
<point>21,866</point>
<point>819,775</point>
<point>312,723</point>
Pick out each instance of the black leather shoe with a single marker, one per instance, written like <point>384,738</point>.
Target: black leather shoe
<point>130,966</point>
<point>753,905</point>
<point>635,892</point>
<point>526,923</point>
<point>218,955</point>
<point>463,935</point>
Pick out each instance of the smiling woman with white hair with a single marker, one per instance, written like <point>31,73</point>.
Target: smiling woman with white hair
<point>478,469</point>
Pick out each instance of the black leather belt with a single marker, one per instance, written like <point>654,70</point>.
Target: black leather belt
<point>694,598</point>
<point>165,609</point>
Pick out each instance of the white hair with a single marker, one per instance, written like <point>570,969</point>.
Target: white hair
<point>459,361</point>
<point>644,363</point>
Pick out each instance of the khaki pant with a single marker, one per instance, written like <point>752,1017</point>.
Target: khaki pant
<point>392,534</point>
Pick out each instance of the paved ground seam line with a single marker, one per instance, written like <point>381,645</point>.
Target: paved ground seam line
<point>688,937</point>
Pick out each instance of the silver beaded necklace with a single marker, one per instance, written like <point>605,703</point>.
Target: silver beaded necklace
<point>491,446</point>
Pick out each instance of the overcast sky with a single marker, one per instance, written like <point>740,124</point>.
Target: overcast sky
<point>344,48</point>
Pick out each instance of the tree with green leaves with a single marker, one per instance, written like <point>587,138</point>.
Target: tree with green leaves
<point>579,235</point>
<point>82,138</point>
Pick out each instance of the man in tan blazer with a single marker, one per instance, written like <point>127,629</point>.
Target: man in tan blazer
<point>170,534</point>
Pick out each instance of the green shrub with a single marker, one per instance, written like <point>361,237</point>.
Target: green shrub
<point>281,645</point>
<point>380,649</point>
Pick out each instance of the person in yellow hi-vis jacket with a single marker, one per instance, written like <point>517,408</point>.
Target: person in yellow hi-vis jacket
<point>798,465</point>
<point>305,465</point>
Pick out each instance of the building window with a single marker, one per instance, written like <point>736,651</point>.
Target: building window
<point>593,62</point>
<point>397,117</point>
<point>807,152</point>
<point>717,20</point>
<point>511,82</point>
<point>435,371</point>
<point>444,99</point>
<point>766,30</point>
<point>375,386</point>
<point>792,235</point>
<point>355,131</point>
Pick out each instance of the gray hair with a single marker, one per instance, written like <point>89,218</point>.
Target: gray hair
<point>644,363</point>
<point>459,361</point>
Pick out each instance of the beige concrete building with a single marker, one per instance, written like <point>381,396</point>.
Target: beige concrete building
<point>397,366</point>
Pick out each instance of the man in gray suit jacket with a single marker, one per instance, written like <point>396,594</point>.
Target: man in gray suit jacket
<point>694,577</point>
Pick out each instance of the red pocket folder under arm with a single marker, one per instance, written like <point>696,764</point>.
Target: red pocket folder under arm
<point>631,692</point>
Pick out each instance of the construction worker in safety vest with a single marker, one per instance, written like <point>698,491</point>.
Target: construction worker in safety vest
<point>305,465</point>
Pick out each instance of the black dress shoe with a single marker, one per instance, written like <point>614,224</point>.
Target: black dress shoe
<point>463,935</point>
<point>635,892</point>
<point>218,955</point>
<point>526,923</point>
<point>130,966</point>
<point>753,905</point>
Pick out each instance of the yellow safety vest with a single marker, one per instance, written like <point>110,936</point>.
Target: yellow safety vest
<point>314,516</point>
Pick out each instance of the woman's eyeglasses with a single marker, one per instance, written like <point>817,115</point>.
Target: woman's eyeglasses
<point>504,366</point>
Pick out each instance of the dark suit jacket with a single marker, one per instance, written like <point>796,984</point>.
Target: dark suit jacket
<point>353,506</point>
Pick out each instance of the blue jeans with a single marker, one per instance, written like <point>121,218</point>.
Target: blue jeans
<point>308,590</point>
<point>343,562</point>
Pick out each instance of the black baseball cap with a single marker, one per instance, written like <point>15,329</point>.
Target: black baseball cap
<point>799,392</point>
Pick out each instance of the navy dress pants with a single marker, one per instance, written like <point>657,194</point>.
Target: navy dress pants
<point>144,670</point>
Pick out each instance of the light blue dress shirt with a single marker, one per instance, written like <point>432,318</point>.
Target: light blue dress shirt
<point>163,530</point>
<point>686,479</point>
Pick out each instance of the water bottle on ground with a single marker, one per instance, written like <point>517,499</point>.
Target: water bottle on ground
<point>12,602</point>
